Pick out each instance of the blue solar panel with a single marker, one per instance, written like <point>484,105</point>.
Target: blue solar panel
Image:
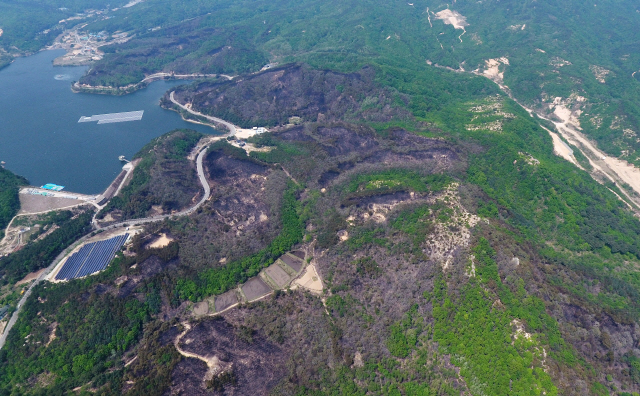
<point>74,262</point>
<point>97,257</point>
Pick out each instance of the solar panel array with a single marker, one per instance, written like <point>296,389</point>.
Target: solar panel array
<point>114,117</point>
<point>92,257</point>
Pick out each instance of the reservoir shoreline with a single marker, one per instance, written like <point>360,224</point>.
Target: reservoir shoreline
<point>41,139</point>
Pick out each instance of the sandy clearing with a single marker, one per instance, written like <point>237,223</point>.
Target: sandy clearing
<point>52,335</point>
<point>600,73</point>
<point>31,276</point>
<point>617,169</point>
<point>201,308</point>
<point>3,324</point>
<point>310,280</point>
<point>614,169</point>
<point>127,364</point>
<point>132,3</point>
<point>226,300</point>
<point>561,150</point>
<point>255,288</point>
<point>244,133</point>
<point>453,18</point>
<point>34,204</point>
<point>276,274</point>
<point>161,242</point>
<point>492,69</point>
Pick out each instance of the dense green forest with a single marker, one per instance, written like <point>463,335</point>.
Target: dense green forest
<point>9,200</point>
<point>40,254</point>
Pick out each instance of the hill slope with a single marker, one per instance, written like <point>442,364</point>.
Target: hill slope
<point>444,247</point>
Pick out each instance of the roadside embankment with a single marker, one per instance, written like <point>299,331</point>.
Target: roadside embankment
<point>77,87</point>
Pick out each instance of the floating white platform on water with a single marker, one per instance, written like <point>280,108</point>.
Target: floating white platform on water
<point>114,117</point>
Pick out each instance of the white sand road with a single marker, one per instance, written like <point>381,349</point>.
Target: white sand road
<point>616,170</point>
<point>561,150</point>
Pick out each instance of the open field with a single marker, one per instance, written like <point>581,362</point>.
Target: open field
<point>310,280</point>
<point>255,288</point>
<point>226,300</point>
<point>293,261</point>
<point>31,204</point>
<point>278,275</point>
<point>162,241</point>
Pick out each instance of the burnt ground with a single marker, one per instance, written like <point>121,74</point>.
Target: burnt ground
<point>306,338</point>
<point>333,152</point>
<point>242,215</point>
<point>270,98</point>
<point>257,364</point>
<point>363,302</point>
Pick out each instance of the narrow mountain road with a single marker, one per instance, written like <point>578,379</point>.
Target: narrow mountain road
<point>205,197</point>
<point>159,76</point>
<point>232,128</point>
<point>145,220</point>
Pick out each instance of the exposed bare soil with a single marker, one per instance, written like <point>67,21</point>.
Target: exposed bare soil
<point>31,277</point>
<point>255,288</point>
<point>294,262</point>
<point>310,280</point>
<point>162,241</point>
<point>31,204</point>
<point>226,300</point>
<point>453,18</point>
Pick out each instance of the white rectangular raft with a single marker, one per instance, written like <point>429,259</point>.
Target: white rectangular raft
<point>113,117</point>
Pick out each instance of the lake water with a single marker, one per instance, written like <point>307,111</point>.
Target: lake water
<point>41,139</point>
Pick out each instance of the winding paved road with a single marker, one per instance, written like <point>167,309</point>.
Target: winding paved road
<point>207,193</point>
<point>232,128</point>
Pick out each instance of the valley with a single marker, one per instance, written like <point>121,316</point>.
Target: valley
<point>399,199</point>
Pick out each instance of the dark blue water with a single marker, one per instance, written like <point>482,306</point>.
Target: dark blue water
<point>41,139</point>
